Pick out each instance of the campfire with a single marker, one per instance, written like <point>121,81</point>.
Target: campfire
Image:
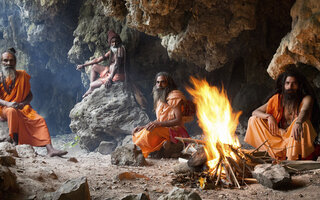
<point>226,164</point>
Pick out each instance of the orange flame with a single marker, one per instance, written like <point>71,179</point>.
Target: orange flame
<point>216,119</point>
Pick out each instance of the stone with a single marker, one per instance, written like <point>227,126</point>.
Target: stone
<point>26,151</point>
<point>178,193</point>
<point>4,132</point>
<point>7,161</point>
<point>106,147</point>
<point>141,196</point>
<point>272,176</point>
<point>8,180</point>
<point>301,45</point>
<point>127,140</point>
<point>8,149</point>
<point>73,159</point>
<point>182,168</point>
<point>128,155</point>
<point>72,189</point>
<point>198,159</point>
<point>106,115</point>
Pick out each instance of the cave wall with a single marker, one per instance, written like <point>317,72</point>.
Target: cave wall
<point>41,32</point>
<point>230,43</point>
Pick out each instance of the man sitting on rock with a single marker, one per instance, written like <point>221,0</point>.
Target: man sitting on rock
<point>287,121</point>
<point>168,104</point>
<point>113,72</point>
<point>26,126</point>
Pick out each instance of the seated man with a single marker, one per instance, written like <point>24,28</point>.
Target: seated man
<point>26,126</point>
<point>113,72</point>
<point>168,102</point>
<point>287,120</point>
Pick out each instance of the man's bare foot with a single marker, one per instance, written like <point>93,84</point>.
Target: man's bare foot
<point>55,152</point>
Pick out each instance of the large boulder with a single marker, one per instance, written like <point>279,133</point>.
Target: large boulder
<point>77,188</point>
<point>4,132</point>
<point>106,115</point>
<point>302,43</point>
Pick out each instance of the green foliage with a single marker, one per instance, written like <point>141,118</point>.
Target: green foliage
<point>73,143</point>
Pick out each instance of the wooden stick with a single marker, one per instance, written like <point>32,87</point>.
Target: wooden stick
<point>190,140</point>
<point>233,175</point>
<point>217,168</point>
<point>256,149</point>
<point>219,173</point>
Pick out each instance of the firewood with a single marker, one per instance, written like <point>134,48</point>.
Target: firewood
<point>300,165</point>
<point>190,140</point>
<point>256,149</point>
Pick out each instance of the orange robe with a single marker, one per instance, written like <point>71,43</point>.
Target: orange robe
<point>282,145</point>
<point>150,141</point>
<point>30,126</point>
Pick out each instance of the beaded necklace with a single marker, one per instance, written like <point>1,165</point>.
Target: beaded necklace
<point>11,86</point>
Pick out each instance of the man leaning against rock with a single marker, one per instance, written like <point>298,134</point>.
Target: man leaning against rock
<point>26,126</point>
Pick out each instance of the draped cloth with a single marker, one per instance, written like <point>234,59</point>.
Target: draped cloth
<point>150,141</point>
<point>282,145</point>
<point>30,126</point>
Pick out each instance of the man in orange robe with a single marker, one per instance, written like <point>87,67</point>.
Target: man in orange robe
<point>26,126</point>
<point>168,105</point>
<point>287,121</point>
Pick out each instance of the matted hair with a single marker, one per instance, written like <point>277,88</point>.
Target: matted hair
<point>304,89</point>
<point>12,51</point>
<point>171,84</point>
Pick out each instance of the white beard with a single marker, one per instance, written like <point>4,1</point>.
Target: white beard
<point>114,50</point>
<point>8,72</point>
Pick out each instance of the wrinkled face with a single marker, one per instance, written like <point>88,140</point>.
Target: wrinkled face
<point>291,84</point>
<point>161,82</point>
<point>8,60</point>
<point>113,42</point>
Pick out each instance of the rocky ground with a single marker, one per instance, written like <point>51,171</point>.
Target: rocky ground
<point>40,175</point>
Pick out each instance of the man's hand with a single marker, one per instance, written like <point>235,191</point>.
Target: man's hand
<point>137,129</point>
<point>12,104</point>
<point>108,83</point>
<point>297,130</point>
<point>79,67</point>
<point>152,125</point>
<point>273,126</point>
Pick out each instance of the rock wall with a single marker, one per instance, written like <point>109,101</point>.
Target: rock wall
<point>301,44</point>
<point>230,43</point>
<point>41,32</point>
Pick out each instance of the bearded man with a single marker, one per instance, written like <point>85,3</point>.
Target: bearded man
<point>287,121</point>
<point>107,74</point>
<point>26,126</point>
<point>168,105</point>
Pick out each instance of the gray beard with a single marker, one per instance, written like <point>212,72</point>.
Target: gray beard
<point>8,72</point>
<point>159,94</point>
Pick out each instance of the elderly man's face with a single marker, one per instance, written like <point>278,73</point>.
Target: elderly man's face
<point>161,82</point>
<point>291,84</point>
<point>8,60</point>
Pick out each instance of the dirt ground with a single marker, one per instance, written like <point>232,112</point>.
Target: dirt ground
<point>40,175</point>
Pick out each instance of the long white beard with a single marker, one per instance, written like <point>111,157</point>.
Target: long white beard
<point>114,49</point>
<point>8,72</point>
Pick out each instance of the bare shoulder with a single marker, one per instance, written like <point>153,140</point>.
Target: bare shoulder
<point>307,100</point>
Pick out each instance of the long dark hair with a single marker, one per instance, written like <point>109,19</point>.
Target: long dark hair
<point>304,90</point>
<point>171,84</point>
